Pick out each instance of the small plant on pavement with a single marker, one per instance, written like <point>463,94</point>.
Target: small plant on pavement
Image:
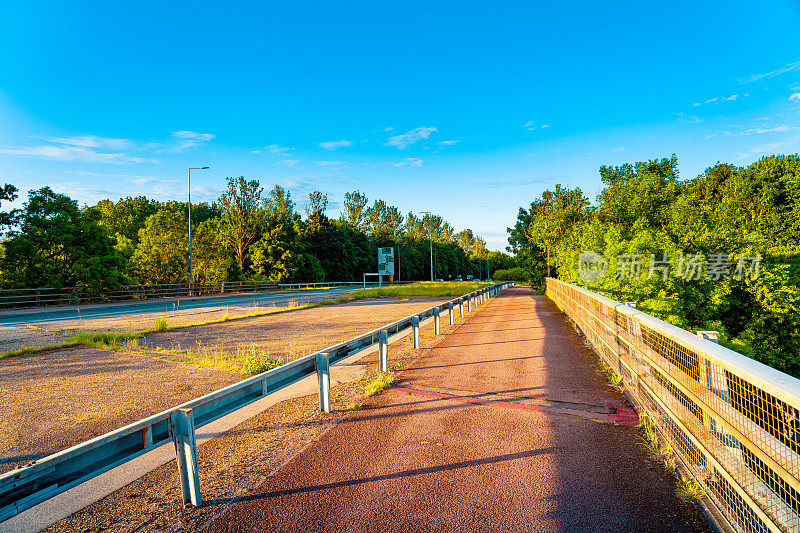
<point>256,362</point>
<point>161,324</point>
<point>689,489</point>
<point>400,366</point>
<point>383,381</point>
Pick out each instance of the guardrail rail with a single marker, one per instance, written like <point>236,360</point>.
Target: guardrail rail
<point>734,422</point>
<point>25,487</point>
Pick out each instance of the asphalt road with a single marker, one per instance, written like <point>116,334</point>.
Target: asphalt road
<point>22,317</point>
<point>506,425</point>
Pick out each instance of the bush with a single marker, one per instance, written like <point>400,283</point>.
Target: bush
<point>511,274</point>
<point>256,362</point>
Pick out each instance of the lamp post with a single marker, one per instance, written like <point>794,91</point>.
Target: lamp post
<point>431,236</point>
<point>191,272</point>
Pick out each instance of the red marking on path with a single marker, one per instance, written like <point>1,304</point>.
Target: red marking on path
<point>625,416</point>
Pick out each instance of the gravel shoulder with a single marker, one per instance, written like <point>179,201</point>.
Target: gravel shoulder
<point>51,401</point>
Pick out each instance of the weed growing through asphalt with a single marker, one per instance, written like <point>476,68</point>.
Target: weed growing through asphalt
<point>257,361</point>
<point>162,325</point>
<point>689,489</point>
<point>400,366</point>
<point>383,381</point>
<point>654,444</point>
<point>354,407</point>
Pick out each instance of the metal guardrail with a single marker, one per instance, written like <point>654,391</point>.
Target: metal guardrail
<point>734,422</point>
<point>25,487</point>
<point>43,296</point>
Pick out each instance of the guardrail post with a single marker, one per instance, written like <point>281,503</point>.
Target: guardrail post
<point>415,329</point>
<point>461,307</point>
<point>324,375</point>
<point>469,303</point>
<point>450,311</point>
<point>436,328</point>
<point>182,425</point>
<point>383,350</point>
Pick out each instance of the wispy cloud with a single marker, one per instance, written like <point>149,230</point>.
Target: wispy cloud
<point>329,163</point>
<point>92,141</point>
<point>449,143</point>
<point>185,140</point>
<point>720,99</point>
<point>277,149</point>
<point>289,162</point>
<point>333,145</point>
<point>409,162</point>
<point>73,153</point>
<point>791,67</point>
<point>531,125</point>
<point>795,97</point>
<point>759,131</point>
<point>621,148</point>
<point>410,137</point>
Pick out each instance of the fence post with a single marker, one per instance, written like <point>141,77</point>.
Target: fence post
<point>450,311</point>
<point>461,307</point>
<point>383,349</point>
<point>415,329</point>
<point>469,303</point>
<point>324,375</point>
<point>182,425</point>
<point>436,320</point>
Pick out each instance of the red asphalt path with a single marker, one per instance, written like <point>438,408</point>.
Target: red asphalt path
<point>506,425</point>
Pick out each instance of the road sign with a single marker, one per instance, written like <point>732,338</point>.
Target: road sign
<point>386,261</point>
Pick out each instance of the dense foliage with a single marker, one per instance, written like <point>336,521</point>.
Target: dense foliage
<point>717,252</point>
<point>247,234</point>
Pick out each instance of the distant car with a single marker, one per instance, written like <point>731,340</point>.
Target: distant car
<point>439,279</point>
<point>458,279</point>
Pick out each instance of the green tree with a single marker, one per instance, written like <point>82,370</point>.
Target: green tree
<point>162,255</point>
<point>57,246</point>
<point>354,213</point>
<point>242,214</point>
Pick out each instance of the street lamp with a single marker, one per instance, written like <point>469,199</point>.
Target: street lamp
<point>191,273</point>
<point>431,236</point>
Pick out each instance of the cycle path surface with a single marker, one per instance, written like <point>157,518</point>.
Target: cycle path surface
<point>505,425</point>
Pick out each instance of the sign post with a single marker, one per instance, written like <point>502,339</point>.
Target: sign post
<point>385,263</point>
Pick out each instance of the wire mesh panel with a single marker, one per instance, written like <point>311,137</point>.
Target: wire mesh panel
<point>734,422</point>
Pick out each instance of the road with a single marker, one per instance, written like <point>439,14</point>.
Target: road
<point>506,425</point>
<point>23,317</point>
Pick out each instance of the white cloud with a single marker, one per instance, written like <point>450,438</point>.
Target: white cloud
<point>185,140</point>
<point>696,104</point>
<point>531,125</point>
<point>410,137</point>
<point>329,163</point>
<point>710,100</point>
<point>759,131</point>
<point>791,67</point>
<point>333,145</point>
<point>409,162</point>
<point>730,98</point>
<point>92,141</point>
<point>388,128</point>
<point>277,149</point>
<point>621,148</point>
<point>710,136</point>
<point>73,153</point>
<point>255,151</point>
<point>794,97</point>
<point>449,143</point>
<point>289,162</point>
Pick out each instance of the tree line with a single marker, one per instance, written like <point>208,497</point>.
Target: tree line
<point>246,234</point>
<point>717,252</point>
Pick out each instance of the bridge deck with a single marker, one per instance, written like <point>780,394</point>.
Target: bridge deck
<point>505,425</point>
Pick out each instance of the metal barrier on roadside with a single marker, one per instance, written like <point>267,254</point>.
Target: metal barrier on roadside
<point>44,296</point>
<point>734,422</point>
<point>25,487</point>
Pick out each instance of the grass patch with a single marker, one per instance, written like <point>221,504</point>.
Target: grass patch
<point>688,489</point>
<point>354,407</point>
<point>400,366</point>
<point>424,288</point>
<point>258,361</point>
<point>162,324</point>
<point>102,339</point>
<point>383,381</point>
<point>614,378</point>
<point>37,349</point>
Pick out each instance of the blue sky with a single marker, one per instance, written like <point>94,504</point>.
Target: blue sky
<point>466,109</point>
